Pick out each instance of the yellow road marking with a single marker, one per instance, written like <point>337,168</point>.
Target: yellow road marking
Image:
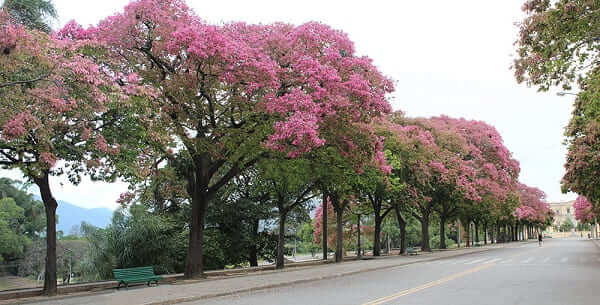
<point>428,285</point>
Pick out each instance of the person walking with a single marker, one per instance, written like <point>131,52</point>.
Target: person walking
<point>540,239</point>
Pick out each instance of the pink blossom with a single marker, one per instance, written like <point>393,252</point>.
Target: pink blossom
<point>48,159</point>
<point>101,144</point>
<point>133,78</point>
<point>16,127</point>
<point>584,210</point>
<point>125,198</point>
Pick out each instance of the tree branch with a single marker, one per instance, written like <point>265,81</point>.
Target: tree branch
<point>21,82</point>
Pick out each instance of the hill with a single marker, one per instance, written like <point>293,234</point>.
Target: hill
<point>70,215</point>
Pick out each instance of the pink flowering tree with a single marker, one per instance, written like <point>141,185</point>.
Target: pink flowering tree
<point>53,114</point>
<point>492,170</point>
<point>584,210</point>
<point>533,210</point>
<point>226,95</point>
<point>558,46</point>
<point>582,166</point>
<point>426,169</point>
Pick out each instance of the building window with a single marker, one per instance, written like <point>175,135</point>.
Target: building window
<point>568,211</point>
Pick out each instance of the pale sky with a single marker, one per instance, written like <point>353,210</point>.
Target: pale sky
<point>447,57</point>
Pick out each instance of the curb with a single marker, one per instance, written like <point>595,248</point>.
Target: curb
<point>270,286</point>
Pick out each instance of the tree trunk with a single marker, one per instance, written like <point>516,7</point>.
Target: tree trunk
<point>339,245</point>
<point>324,226</point>
<point>50,206</point>
<point>484,233</point>
<point>477,233</point>
<point>281,241</point>
<point>358,236</point>
<point>468,229</point>
<point>442,232</point>
<point>402,226</point>
<point>194,267</point>
<point>377,236</point>
<point>253,253</point>
<point>498,233</point>
<point>425,246</point>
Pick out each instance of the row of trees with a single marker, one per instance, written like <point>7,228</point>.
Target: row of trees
<point>558,46</point>
<point>442,168</point>
<point>245,120</point>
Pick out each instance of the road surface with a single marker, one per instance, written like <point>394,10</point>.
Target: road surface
<point>560,272</point>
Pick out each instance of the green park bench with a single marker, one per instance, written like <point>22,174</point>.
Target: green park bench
<point>412,251</point>
<point>135,275</point>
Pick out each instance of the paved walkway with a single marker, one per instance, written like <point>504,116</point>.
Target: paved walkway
<point>184,291</point>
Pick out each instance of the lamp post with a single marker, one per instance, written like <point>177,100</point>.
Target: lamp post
<point>295,236</point>
<point>562,93</point>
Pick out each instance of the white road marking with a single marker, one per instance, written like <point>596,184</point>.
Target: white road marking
<point>475,261</point>
<point>506,261</point>
<point>564,259</point>
<point>493,260</point>
<point>546,260</point>
<point>527,260</point>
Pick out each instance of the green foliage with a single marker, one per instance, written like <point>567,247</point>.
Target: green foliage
<point>34,221</point>
<point>435,241</point>
<point>11,238</point>
<point>99,261</point>
<point>583,226</point>
<point>140,238</point>
<point>135,238</point>
<point>413,232</point>
<point>567,225</point>
<point>34,14</point>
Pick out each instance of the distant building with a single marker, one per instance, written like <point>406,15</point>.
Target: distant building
<point>562,211</point>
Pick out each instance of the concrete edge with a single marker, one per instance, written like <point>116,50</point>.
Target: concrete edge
<point>265,287</point>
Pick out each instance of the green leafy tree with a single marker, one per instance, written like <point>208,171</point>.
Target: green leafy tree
<point>372,186</point>
<point>290,186</point>
<point>567,225</point>
<point>34,222</point>
<point>559,46</point>
<point>11,238</point>
<point>34,14</point>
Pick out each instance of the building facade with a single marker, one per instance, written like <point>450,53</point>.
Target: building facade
<point>563,211</point>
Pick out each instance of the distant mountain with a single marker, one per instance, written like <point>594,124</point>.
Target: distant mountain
<point>70,215</point>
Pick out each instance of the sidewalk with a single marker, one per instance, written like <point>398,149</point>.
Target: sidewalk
<point>191,290</point>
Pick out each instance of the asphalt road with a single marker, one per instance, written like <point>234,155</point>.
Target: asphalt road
<point>562,272</point>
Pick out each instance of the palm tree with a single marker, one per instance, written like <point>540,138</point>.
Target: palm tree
<point>35,14</point>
